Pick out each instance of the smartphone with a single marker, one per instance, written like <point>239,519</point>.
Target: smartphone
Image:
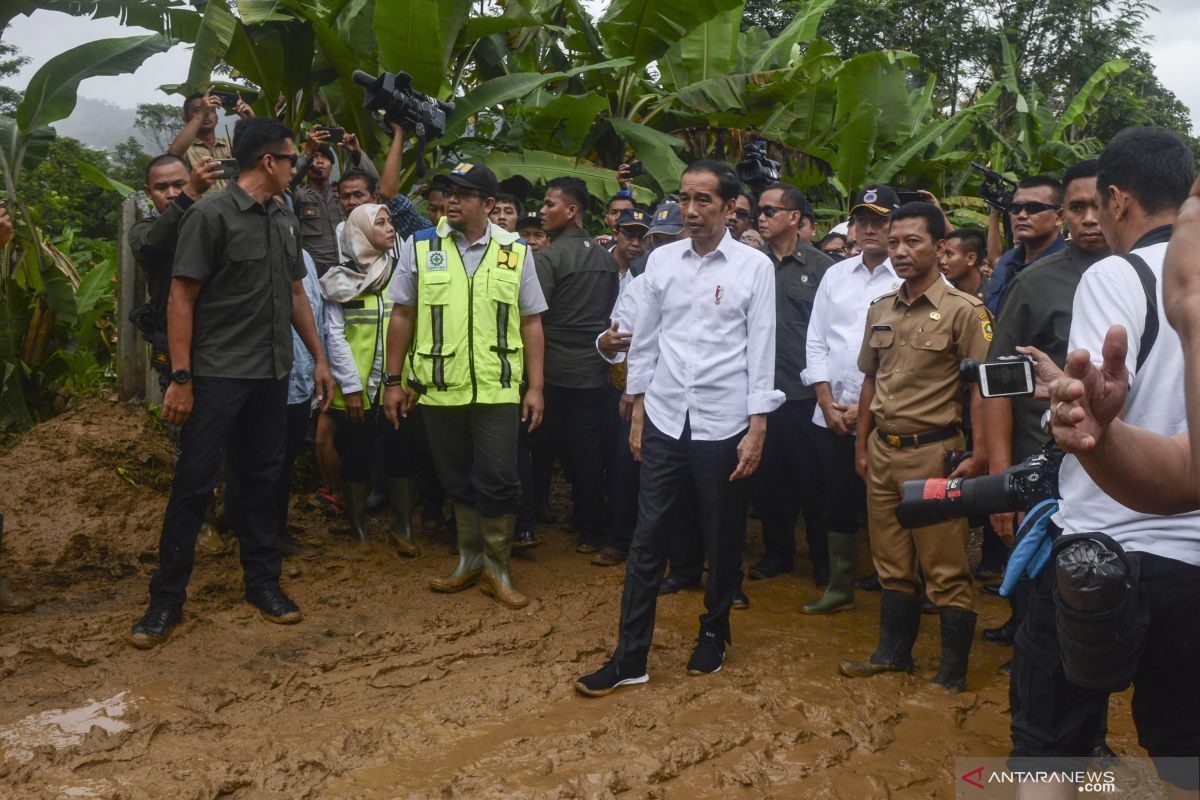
<point>1006,378</point>
<point>335,134</point>
<point>910,197</point>
<point>229,168</point>
<point>229,100</point>
<point>635,169</point>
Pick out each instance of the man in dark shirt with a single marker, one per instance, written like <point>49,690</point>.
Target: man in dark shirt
<point>1036,215</point>
<point>966,249</point>
<point>172,190</point>
<point>315,200</point>
<point>789,480</point>
<point>236,294</point>
<point>579,279</point>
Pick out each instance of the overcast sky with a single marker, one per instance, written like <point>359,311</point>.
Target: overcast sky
<point>1175,32</point>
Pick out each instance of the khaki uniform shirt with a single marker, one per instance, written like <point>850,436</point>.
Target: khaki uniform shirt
<point>913,350</point>
<point>199,151</point>
<point>245,255</point>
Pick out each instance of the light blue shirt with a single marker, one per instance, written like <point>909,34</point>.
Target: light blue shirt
<point>300,381</point>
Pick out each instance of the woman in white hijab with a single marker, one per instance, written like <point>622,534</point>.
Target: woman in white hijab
<point>356,318</point>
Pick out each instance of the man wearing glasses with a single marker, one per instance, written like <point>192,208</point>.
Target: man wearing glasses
<point>236,293</point>
<point>1036,216</point>
<point>790,479</point>
<point>468,305</point>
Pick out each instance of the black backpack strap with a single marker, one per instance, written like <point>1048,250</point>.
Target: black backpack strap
<point>1150,287</point>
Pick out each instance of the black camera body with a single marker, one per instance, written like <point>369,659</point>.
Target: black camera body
<point>755,169</point>
<point>997,190</point>
<point>392,93</point>
<point>1018,488</point>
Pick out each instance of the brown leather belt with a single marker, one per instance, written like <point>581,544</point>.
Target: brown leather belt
<point>916,439</point>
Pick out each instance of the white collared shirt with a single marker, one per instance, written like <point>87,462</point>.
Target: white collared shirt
<point>835,330</point>
<point>704,343</point>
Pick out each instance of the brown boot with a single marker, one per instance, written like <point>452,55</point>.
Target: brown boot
<point>11,602</point>
<point>470,553</point>
<point>400,491</point>
<point>497,581</point>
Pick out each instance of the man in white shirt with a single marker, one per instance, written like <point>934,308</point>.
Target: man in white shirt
<point>835,334</point>
<point>1143,176</point>
<point>702,367</point>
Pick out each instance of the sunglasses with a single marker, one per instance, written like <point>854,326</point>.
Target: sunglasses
<point>292,157</point>
<point>770,211</point>
<point>1030,208</point>
<point>741,213</point>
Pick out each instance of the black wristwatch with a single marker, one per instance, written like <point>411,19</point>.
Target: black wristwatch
<point>393,380</point>
<point>181,376</point>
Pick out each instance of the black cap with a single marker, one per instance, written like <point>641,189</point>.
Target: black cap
<point>633,218</point>
<point>472,176</point>
<point>883,200</point>
<point>532,220</point>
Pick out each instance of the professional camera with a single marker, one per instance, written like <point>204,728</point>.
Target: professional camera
<point>755,169</point>
<point>1018,488</point>
<point>997,190</point>
<point>392,93</point>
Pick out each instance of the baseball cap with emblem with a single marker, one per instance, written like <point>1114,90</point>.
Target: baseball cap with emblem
<point>883,200</point>
<point>667,219</point>
<point>633,218</point>
<point>530,220</point>
<point>471,176</point>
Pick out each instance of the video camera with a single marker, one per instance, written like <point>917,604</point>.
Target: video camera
<point>997,190</point>
<point>755,169</point>
<point>392,93</point>
<point>1018,488</point>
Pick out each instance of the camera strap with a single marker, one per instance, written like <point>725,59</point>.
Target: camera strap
<point>1150,287</point>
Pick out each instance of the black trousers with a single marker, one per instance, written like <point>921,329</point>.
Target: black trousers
<point>574,417</point>
<point>249,416</point>
<point>667,466</point>
<point>789,482</point>
<point>299,415</point>
<point>475,452</point>
<point>355,443</point>
<point>527,507</point>
<point>845,495</point>
<point>1053,717</point>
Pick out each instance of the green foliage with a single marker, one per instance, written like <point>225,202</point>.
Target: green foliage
<point>159,123</point>
<point>61,198</point>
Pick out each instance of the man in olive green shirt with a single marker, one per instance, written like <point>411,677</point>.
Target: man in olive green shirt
<point>235,295</point>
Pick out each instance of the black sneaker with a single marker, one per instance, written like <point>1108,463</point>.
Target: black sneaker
<point>740,600</point>
<point>154,627</point>
<point>523,539</point>
<point>708,656</point>
<point>608,679</point>
<point>274,606</point>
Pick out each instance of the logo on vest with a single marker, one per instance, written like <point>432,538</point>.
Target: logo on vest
<point>435,261</point>
<point>506,259</point>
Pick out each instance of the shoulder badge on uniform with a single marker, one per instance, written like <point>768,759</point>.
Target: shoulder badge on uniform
<point>985,322</point>
<point>435,261</point>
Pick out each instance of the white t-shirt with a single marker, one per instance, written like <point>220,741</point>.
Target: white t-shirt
<point>1111,294</point>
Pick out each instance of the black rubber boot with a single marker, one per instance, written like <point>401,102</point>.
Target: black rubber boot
<point>400,497</point>
<point>899,621</point>
<point>354,496</point>
<point>958,631</point>
<point>843,558</point>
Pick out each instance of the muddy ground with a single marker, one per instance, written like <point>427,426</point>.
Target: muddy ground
<point>387,690</point>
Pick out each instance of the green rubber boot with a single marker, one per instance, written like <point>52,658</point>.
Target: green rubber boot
<point>497,581</point>
<point>400,496</point>
<point>470,552</point>
<point>843,559</point>
<point>355,498</point>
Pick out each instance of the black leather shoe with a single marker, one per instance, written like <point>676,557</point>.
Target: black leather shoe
<point>608,679</point>
<point>708,656</point>
<point>740,600</point>
<point>154,627</point>
<point>869,583</point>
<point>672,584</point>
<point>1002,635</point>
<point>764,570</point>
<point>523,539</point>
<point>274,606</point>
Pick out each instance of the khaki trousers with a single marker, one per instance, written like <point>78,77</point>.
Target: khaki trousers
<point>939,551</point>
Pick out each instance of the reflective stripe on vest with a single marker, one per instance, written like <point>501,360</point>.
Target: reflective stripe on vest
<point>366,322</point>
<point>467,346</point>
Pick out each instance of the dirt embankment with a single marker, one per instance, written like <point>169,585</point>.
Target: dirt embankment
<point>387,690</point>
